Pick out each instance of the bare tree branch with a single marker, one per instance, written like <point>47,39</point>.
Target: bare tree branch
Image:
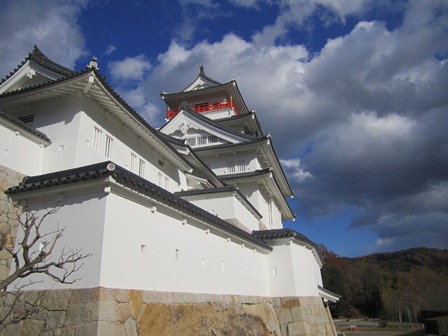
<point>33,253</point>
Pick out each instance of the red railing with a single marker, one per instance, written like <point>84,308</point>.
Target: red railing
<point>204,107</point>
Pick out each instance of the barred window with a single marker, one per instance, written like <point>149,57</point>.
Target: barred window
<point>97,138</point>
<point>133,165</point>
<point>230,166</point>
<point>108,147</point>
<point>141,168</point>
<point>212,138</point>
<point>241,165</point>
<point>191,141</point>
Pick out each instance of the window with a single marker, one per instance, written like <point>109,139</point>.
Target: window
<point>167,182</point>
<point>108,147</point>
<point>97,138</point>
<point>212,138</point>
<point>202,140</point>
<point>241,165</point>
<point>141,168</point>
<point>133,165</point>
<point>191,142</point>
<point>230,166</point>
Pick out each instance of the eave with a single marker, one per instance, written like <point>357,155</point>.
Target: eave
<point>91,84</point>
<point>264,147</point>
<point>288,235</point>
<point>230,89</point>
<point>108,174</point>
<point>328,295</point>
<point>267,179</point>
<point>27,131</point>
<point>206,124</point>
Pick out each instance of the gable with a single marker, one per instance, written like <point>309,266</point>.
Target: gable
<point>35,70</point>
<point>198,131</point>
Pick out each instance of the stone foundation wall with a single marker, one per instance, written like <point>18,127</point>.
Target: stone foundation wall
<point>103,311</point>
<point>9,215</point>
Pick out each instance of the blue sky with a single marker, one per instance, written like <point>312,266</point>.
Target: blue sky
<point>354,94</point>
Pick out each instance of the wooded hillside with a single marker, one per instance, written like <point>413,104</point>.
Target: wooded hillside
<point>392,286</point>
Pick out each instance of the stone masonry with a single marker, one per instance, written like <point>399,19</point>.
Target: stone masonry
<point>8,217</point>
<point>104,311</point>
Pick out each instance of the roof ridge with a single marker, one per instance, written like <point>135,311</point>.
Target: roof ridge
<point>216,124</point>
<point>24,126</point>
<point>125,177</point>
<point>40,58</point>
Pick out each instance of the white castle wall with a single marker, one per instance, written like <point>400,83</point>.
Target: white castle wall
<point>136,248</point>
<point>19,153</point>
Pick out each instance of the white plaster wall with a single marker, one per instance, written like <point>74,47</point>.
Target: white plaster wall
<point>152,251</point>
<point>219,163</point>
<point>82,218</point>
<point>303,265</point>
<point>19,153</point>
<point>124,142</point>
<point>280,272</point>
<point>226,207</point>
<point>58,119</point>
<point>295,273</point>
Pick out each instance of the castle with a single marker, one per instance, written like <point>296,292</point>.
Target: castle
<point>192,210</point>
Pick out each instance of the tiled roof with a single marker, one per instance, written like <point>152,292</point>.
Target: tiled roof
<point>231,145</point>
<point>206,191</point>
<point>39,57</point>
<point>199,167</point>
<point>24,126</point>
<point>257,172</point>
<point>133,181</point>
<point>195,192</point>
<point>215,124</point>
<point>284,233</point>
<point>241,117</point>
<point>204,76</point>
<point>109,89</point>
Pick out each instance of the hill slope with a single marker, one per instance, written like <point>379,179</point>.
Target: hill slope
<point>388,285</point>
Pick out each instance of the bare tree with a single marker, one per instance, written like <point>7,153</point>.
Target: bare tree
<point>33,253</point>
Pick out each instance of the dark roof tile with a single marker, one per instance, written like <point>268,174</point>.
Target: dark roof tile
<point>135,182</point>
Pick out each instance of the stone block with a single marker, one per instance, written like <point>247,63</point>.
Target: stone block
<point>109,329</point>
<point>122,295</point>
<point>88,329</point>
<point>82,313</point>
<point>107,294</point>
<point>297,314</point>
<point>31,327</point>
<point>123,312</point>
<point>67,331</point>
<point>85,295</point>
<point>136,301</point>
<point>288,302</point>
<point>285,316</point>
<point>298,329</point>
<point>107,311</point>
<point>130,327</point>
<point>55,320</point>
<point>57,299</point>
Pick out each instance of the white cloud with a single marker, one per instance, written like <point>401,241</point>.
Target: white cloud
<point>27,22</point>
<point>110,49</point>
<point>131,68</point>
<point>295,169</point>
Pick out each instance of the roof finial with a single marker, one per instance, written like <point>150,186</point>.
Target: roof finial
<point>93,64</point>
<point>201,71</point>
